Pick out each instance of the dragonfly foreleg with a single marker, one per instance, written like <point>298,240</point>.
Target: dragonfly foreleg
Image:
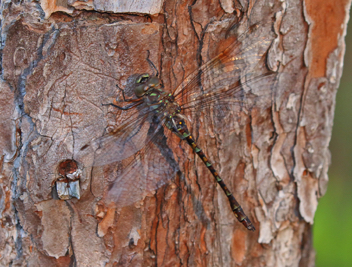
<point>151,64</point>
<point>132,105</point>
<point>133,102</point>
<point>123,96</point>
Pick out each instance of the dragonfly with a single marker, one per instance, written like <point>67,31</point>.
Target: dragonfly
<point>156,121</point>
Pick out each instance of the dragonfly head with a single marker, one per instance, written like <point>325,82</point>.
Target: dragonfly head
<point>144,82</point>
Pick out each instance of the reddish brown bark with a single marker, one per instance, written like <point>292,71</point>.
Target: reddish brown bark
<point>61,62</point>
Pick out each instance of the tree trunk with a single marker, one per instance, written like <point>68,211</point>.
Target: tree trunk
<point>61,61</point>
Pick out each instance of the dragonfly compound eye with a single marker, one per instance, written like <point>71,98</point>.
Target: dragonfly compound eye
<point>154,81</point>
<point>140,90</point>
<point>142,78</point>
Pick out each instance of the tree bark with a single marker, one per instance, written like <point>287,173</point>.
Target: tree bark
<point>62,59</point>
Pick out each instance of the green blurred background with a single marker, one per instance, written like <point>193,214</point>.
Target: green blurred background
<point>333,220</point>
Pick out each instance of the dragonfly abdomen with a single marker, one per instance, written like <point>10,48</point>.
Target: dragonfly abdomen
<point>235,206</point>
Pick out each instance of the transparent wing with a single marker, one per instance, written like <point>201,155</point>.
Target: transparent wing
<point>127,139</point>
<point>256,92</point>
<point>234,81</point>
<point>144,172</point>
<point>225,109</point>
<point>237,60</point>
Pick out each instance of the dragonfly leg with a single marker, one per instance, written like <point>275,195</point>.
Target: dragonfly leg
<point>122,108</point>
<point>124,98</point>
<point>151,64</point>
<point>133,102</point>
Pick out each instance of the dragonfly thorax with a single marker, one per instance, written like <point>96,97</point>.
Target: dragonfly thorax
<point>151,91</point>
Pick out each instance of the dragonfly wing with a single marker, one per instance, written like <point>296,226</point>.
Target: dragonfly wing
<point>239,59</point>
<point>224,108</point>
<point>124,141</point>
<point>144,172</point>
<point>241,96</point>
<point>234,81</point>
